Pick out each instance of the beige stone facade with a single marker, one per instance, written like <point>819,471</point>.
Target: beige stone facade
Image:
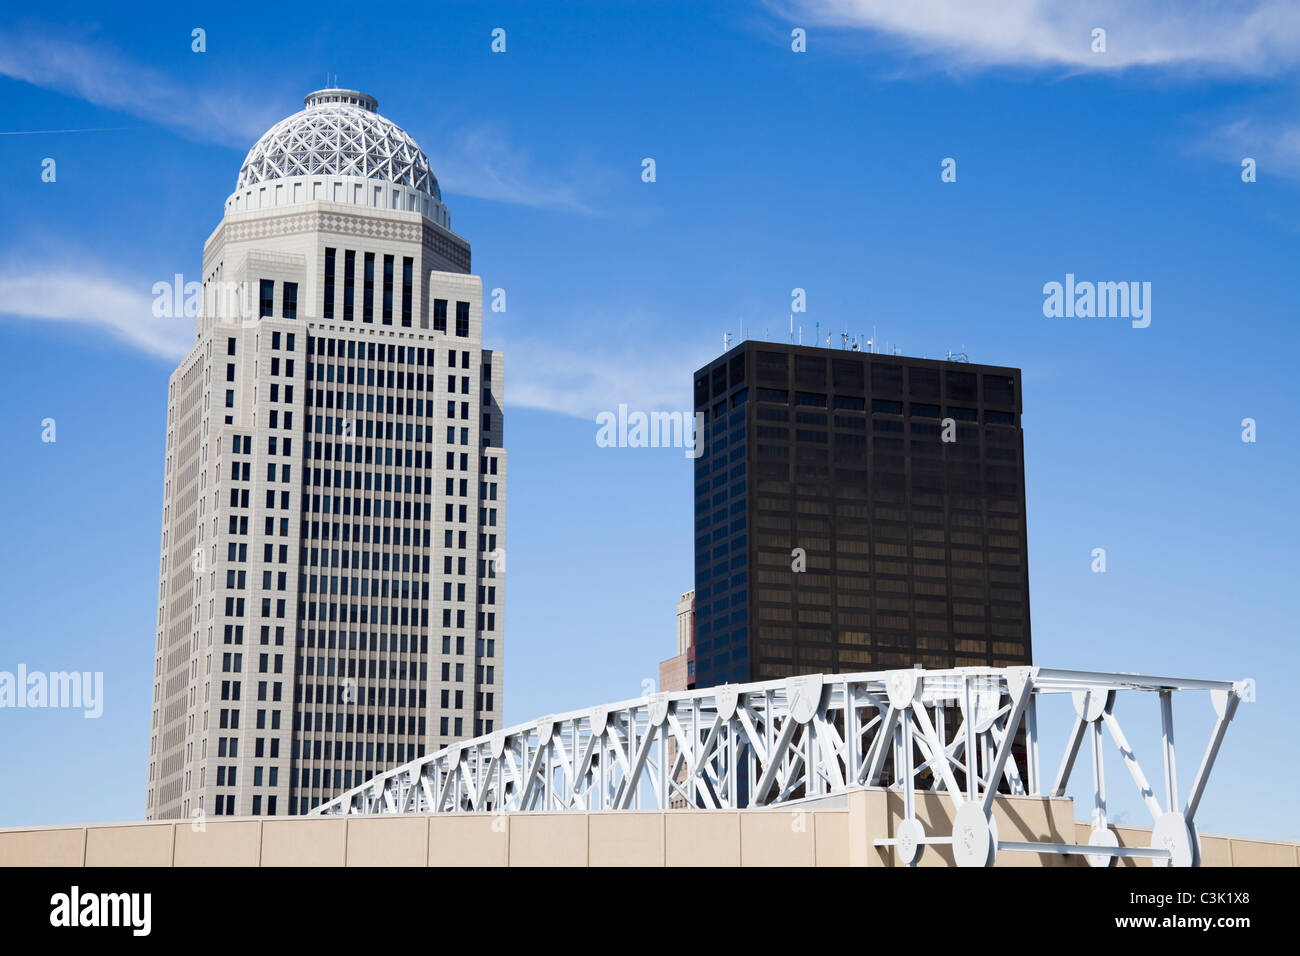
<point>775,837</point>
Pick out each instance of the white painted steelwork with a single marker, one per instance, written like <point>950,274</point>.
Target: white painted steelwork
<point>338,134</point>
<point>812,736</point>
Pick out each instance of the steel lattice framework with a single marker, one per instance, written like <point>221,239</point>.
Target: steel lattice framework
<point>969,733</point>
<point>339,138</point>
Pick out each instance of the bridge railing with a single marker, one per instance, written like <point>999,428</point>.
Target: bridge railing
<point>968,733</point>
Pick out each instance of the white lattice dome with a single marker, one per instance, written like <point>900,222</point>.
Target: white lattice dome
<point>339,134</point>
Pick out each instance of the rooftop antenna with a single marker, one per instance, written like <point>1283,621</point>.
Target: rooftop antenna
<point>726,341</point>
<point>792,328</point>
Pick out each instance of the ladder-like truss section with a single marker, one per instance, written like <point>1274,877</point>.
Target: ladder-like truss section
<point>969,733</point>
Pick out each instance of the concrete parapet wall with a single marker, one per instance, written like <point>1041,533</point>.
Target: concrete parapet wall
<point>775,837</point>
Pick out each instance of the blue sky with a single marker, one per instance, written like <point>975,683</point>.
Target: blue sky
<point>775,170</point>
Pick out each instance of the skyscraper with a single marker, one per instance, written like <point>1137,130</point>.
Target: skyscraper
<point>855,512</point>
<point>330,592</point>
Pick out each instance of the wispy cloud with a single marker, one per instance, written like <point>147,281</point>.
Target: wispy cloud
<point>595,377</point>
<point>1273,144</point>
<point>482,163</point>
<point>100,74</point>
<point>122,308</point>
<point>1249,37</point>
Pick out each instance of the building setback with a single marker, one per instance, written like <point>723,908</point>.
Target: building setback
<point>329,603</point>
<point>836,530</point>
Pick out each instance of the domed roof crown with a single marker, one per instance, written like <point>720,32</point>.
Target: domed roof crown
<point>339,133</point>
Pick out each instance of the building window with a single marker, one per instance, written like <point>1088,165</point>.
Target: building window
<point>328,310</point>
<point>439,316</point>
<point>290,300</point>
<point>368,290</point>
<point>388,290</point>
<point>462,319</point>
<point>408,267</point>
<point>349,280</point>
<point>266,303</point>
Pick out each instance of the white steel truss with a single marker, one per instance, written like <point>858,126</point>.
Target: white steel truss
<point>970,733</point>
<point>338,139</point>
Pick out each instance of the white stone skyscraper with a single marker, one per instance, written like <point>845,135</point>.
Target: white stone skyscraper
<point>330,598</point>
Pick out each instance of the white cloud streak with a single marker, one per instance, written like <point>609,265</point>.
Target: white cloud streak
<point>479,162</point>
<point>1247,37</point>
<point>99,74</point>
<point>482,163</point>
<point>584,381</point>
<point>122,309</point>
<point>1273,144</point>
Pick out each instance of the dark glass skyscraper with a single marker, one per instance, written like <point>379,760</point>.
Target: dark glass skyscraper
<point>857,512</point>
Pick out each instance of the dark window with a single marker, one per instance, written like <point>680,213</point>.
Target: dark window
<point>349,282</point>
<point>886,406</point>
<point>266,305</point>
<point>773,395</point>
<point>740,398</point>
<point>961,386</point>
<point>918,410</point>
<point>719,380</point>
<point>462,319</point>
<point>850,402</point>
<point>810,370</point>
<point>737,370</point>
<point>924,382</point>
<point>886,378</point>
<point>992,417</point>
<point>368,290</point>
<point>963,414</point>
<point>999,390</point>
<point>440,315</point>
<point>290,300</point>
<point>388,290</point>
<point>772,368</point>
<point>848,374</point>
<point>810,398</point>
<point>328,310</point>
<point>230,346</point>
<point>407,283</point>
<point>701,390</point>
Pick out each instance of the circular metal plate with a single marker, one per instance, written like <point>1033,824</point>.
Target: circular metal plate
<point>805,696</point>
<point>909,835</point>
<point>725,699</point>
<point>902,687</point>
<point>1172,833</point>
<point>1102,836</point>
<point>1090,704</point>
<point>545,727</point>
<point>974,839</point>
